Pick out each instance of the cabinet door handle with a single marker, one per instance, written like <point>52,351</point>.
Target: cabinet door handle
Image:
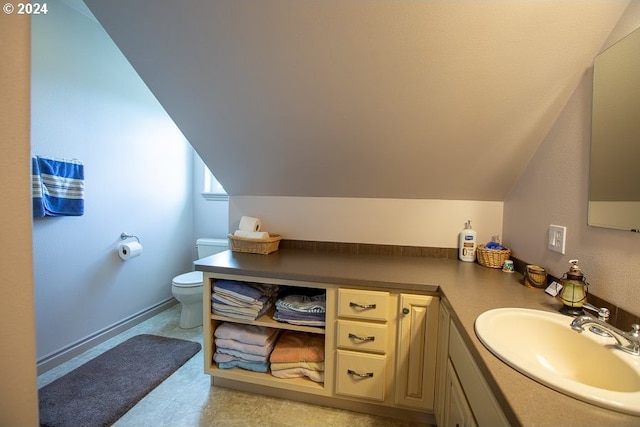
<point>359,338</point>
<point>359,375</point>
<point>361,306</point>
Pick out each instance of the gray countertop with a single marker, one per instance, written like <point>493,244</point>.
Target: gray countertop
<point>469,288</point>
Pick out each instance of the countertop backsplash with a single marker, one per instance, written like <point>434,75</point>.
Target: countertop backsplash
<point>619,318</point>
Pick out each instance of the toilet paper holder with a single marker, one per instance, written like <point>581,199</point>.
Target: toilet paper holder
<point>125,236</point>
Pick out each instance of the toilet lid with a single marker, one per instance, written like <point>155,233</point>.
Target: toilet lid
<point>188,280</point>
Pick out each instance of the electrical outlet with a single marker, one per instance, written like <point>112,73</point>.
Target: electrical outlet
<point>557,238</point>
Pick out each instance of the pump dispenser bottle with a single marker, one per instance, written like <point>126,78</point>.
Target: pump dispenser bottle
<point>467,242</point>
<point>574,290</point>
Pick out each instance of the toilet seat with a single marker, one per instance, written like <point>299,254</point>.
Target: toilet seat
<point>189,280</point>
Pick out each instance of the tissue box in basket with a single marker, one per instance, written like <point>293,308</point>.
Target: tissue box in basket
<point>255,246</point>
<point>493,258</point>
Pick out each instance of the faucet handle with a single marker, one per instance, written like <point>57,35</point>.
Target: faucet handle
<point>603,313</point>
<point>635,330</point>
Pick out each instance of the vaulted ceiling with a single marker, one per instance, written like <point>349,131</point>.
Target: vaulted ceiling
<point>362,98</point>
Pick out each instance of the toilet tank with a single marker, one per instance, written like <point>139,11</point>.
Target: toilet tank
<point>207,247</point>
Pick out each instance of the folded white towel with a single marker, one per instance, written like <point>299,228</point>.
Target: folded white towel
<point>251,234</point>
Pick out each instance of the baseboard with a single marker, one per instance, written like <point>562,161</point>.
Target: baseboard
<point>52,360</point>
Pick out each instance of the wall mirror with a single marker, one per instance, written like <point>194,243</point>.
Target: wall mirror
<point>614,187</point>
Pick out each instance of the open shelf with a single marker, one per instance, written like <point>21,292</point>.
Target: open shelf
<point>238,376</point>
<point>300,384</point>
<point>268,320</point>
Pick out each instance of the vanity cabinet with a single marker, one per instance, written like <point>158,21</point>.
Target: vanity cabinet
<point>472,387</point>
<point>380,350</point>
<point>464,397</point>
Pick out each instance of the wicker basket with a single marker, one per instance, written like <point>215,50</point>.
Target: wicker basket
<point>493,258</point>
<point>255,246</point>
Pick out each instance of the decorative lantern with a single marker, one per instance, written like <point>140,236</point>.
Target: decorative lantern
<point>574,290</point>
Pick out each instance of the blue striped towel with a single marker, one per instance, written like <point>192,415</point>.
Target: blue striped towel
<point>57,187</point>
<point>303,303</point>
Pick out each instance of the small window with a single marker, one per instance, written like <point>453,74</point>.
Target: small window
<point>212,189</point>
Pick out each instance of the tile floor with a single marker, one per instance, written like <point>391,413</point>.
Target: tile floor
<point>187,399</point>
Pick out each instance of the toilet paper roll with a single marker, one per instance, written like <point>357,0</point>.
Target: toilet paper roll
<point>129,250</point>
<point>248,223</point>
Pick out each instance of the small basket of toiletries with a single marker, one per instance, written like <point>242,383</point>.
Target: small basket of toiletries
<point>255,246</point>
<point>493,254</point>
<point>535,277</point>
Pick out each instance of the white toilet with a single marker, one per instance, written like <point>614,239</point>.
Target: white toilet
<point>187,287</point>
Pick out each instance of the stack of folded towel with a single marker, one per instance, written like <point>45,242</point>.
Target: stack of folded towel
<point>242,300</point>
<point>300,309</point>
<point>298,354</point>
<point>244,346</point>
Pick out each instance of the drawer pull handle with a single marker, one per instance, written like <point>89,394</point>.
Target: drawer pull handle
<point>359,338</point>
<point>359,375</point>
<point>361,306</point>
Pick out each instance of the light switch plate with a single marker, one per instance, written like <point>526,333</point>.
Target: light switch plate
<point>557,238</point>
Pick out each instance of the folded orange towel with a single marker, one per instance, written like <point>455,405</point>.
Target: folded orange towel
<point>294,346</point>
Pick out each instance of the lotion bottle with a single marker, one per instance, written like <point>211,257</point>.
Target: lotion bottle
<point>467,241</point>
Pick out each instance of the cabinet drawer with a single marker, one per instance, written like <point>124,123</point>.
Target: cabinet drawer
<point>361,304</point>
<point>360,375</point>
<point>362,336</point>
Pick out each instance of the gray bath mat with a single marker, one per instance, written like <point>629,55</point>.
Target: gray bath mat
<point>103,389</point>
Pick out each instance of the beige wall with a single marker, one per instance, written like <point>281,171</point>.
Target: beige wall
<point>554,189</point>
<point>18,388</point>
<point>407,222</point>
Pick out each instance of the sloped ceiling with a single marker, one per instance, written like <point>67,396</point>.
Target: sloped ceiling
<point>384,99</point>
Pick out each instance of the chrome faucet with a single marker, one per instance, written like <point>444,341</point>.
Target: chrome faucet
<point>629,342</point>
<point>603,314</point>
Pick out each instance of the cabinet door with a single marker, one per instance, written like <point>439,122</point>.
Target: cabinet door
<point>484,406</point>
<point>457,412</point>
<point>416,351</point>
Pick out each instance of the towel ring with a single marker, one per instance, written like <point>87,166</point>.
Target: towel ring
<point>124,236</point>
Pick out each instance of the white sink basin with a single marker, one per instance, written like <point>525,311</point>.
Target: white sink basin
<point>543,346</point>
